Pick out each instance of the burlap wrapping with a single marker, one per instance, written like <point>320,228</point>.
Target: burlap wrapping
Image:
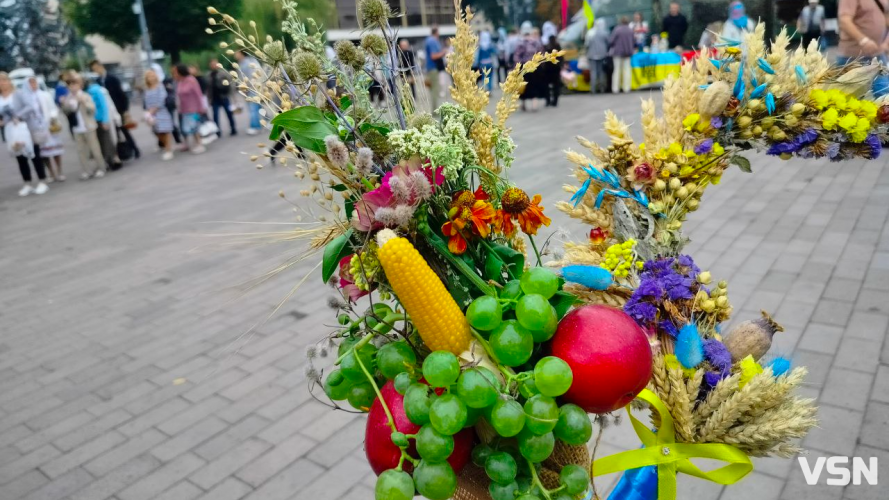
<point>473,482</point>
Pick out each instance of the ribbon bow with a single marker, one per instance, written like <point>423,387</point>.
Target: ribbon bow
<point>670,457</point>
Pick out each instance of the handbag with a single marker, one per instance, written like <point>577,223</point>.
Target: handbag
<point>54,126</point>
<point>583,63</point>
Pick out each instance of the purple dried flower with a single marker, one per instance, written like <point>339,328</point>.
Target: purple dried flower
<point>807,137</point>
<point>678,286</point>
<point>686,261</point>
<point>668,326</point>
<point>717,354</point>
<point>833,150</point>
<point>704,147</point>
<point>643,312</point>
<point>781,148</point>
<point>650,288</point>
<point>873,142</point>
<point>711,379</point>
<point>716,122</point>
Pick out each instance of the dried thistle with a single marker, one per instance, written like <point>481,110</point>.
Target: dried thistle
<point>374,44</point>
<point>374,13</point>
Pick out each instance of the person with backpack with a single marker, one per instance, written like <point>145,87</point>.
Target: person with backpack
<point>121,101</point>
<point>219,95</point>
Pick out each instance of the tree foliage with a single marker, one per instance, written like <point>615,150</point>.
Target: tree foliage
<point>173,25</point>
<point>33,34</point>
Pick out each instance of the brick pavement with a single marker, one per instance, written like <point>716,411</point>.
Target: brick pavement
<point>125,372</point>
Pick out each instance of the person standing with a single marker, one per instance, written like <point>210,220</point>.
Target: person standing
<point>553,73</point>
<point>863,29</point>
<point>104,124</point>
<point>219,94</point>
<point>623,46</point>
<point>248,65</point>
<point>157,115</point>
<point>535,82</point>
<point>596,44</point>
<point>811,22</point>
<point>675,25</point>
<point>485,57</point>
<point>81,111</point>
<point>407,64</point>
<point>640,30</point>
<point>435,53</point>
<point>738,24</point>
<point>121,102</point>
<point>24,130</point>
<point>191,106</point>
<point>53,148</point>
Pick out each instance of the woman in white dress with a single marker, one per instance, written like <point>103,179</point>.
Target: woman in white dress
<point>53,149</point>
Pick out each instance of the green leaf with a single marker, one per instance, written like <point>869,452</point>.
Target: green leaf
<point>382,129</point>
<point>349,206</point>
<point>307,127</point>
<point>275,134</point>
<point>514,260</point>
<point>562,302</point>
<point>459,286</point>
<point>345,102</point>
<point>334,253</point>
<point>493,267</point>
<point>742,163</point>
<point>339,187</point>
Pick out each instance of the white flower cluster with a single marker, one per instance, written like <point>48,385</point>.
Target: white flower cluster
<point>448,147</point>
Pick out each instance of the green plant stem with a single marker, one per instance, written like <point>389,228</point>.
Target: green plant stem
<point>536,480</point>
<point>389,418</point>
<point>534,246</point>
<point>442,249</point>
<point>387,321</point>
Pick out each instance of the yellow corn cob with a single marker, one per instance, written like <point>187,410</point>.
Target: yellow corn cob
<point>435,314</point>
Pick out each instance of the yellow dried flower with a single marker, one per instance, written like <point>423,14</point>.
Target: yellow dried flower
<point>690,121</point>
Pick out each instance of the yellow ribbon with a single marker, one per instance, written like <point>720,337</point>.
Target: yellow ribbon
<point>670,457</point>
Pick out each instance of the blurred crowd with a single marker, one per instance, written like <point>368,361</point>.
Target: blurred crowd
<point>93,110</point>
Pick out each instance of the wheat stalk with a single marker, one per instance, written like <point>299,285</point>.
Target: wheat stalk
<point>733,408</point>
<point>680,406</point>
<point>717,396</point>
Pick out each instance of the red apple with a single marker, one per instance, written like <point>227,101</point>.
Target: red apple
<point>382,454</point>
<point>609,354</point>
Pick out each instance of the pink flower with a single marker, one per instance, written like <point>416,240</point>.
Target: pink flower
<point>398,187</point>
<point>347,281</point>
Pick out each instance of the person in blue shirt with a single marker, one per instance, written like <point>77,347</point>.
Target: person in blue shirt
<point>435,63</point>
<point>103,120</point>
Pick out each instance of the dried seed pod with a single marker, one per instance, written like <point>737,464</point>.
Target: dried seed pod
<point>752,338</point>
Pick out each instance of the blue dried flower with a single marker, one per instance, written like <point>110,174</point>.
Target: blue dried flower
<point>801,75</point>
<point>688,348</point>
<point>780,366</point>
<point>758,91</point>
<point>704,147</point>
<point>687,262</point>
<point>718,355</point>
<point>770,103</point>
<point>716,122</point>
<point>765,66</point>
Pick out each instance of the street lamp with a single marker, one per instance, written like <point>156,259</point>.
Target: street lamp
<point>139,10</point>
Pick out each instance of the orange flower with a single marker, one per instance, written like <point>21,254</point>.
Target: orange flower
<point>468,209</point>
<point>503,223</point>
<point>529,213</point>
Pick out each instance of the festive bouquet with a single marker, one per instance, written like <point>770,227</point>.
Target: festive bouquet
<point>713,394</point>
<point>478,370</point>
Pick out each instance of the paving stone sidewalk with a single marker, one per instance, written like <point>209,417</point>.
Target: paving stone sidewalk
<point>126,371</point>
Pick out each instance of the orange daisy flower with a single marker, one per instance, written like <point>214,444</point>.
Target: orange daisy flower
<point>517,206</point>
<point>468,209</point>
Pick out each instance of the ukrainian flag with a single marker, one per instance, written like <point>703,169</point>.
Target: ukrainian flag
<point>650,70</point>
<point>588,13</point>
